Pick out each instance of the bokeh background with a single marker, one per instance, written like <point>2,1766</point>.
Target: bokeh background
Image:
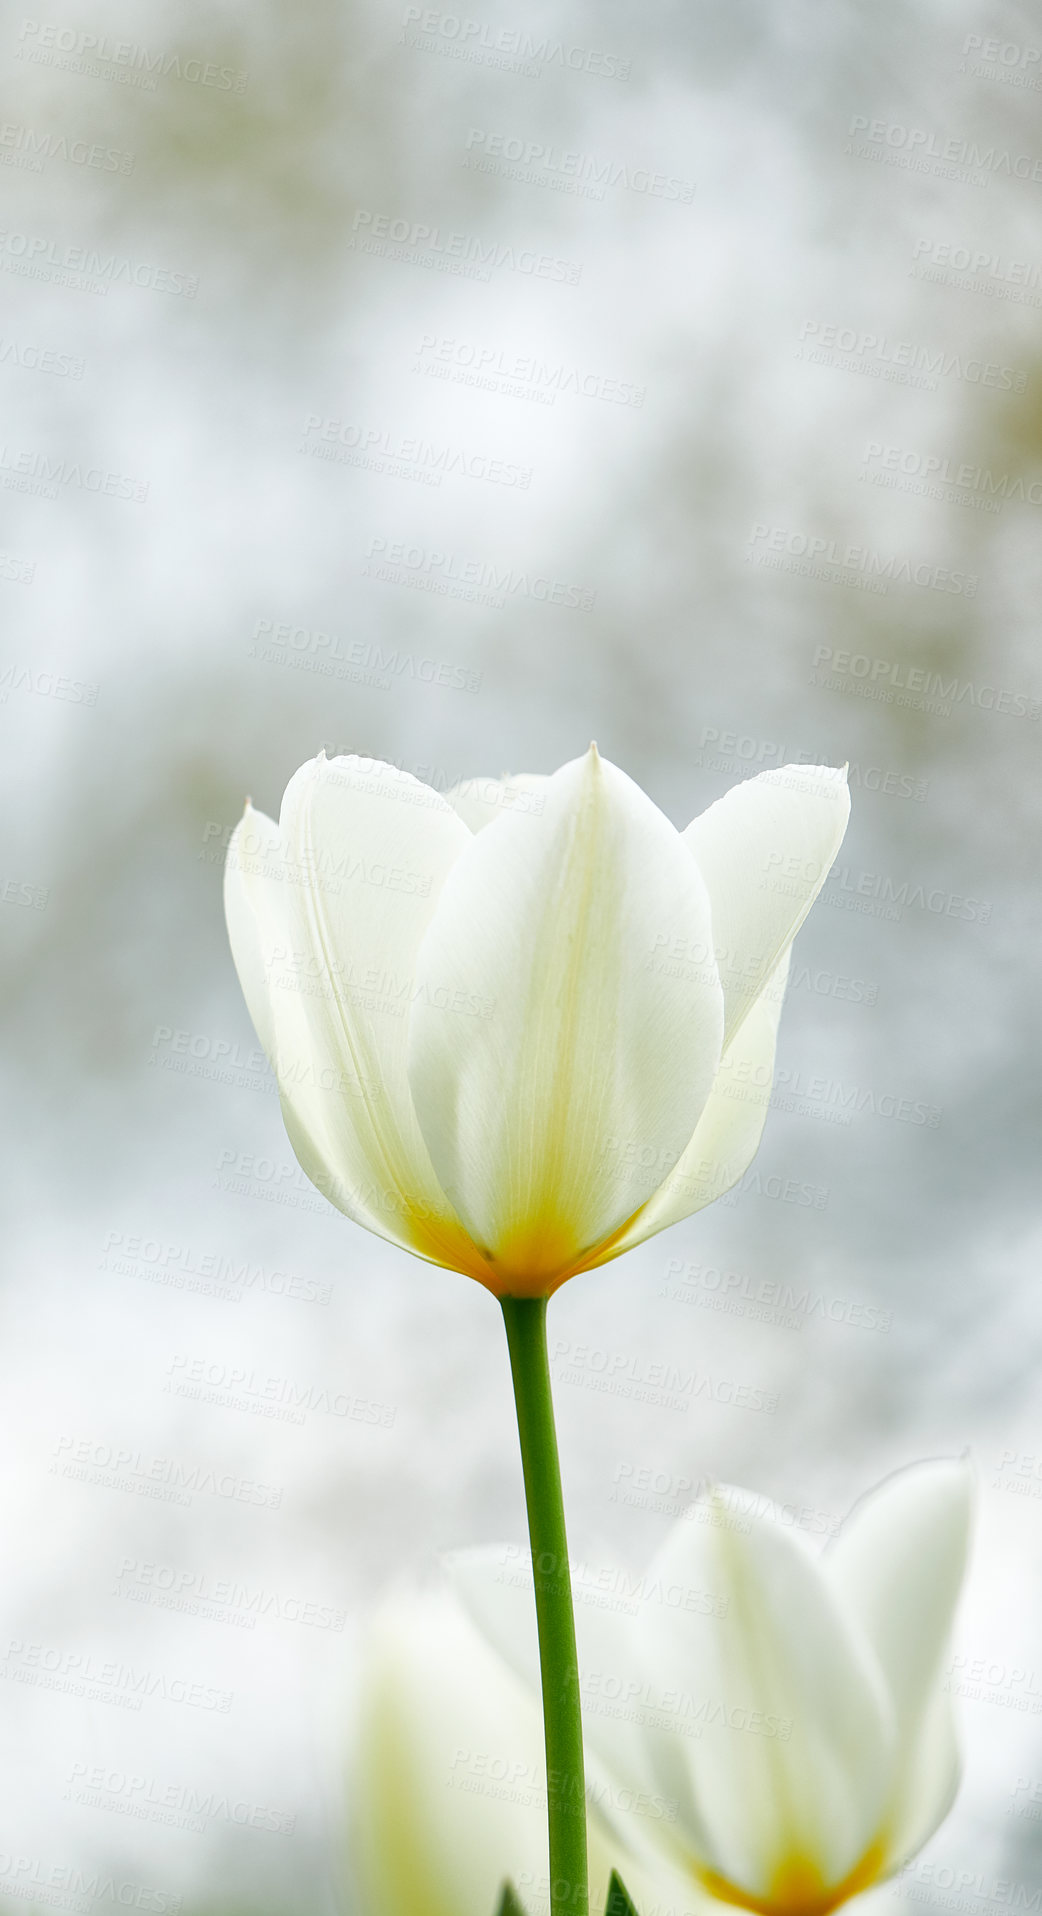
<point>719,372</point>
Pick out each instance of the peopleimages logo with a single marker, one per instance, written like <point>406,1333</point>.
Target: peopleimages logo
<point>734,751</point>
<point>878,895</point>
<point>46,685</point>
<point>330,655</point>
<point>1002,52</point>
<point>46,44</point>
<point>463,253</point>
<point>975,270</point>
<point>37,472</point>
<point>35,257</point>
<point>895,683</point>
<point>376,448</point>
<point>822,557</point>
<point>197,1592</point>
<point>78,1673</point>
<point>957,481</point>
<point>396,562</point>
<point>64,1886</point>
<point>865,351</point>
<point>920,144</point>
<point>519,375</point>
<point>40,359</point>
<point>32,148</point>
<point>477,40</point>
<point>735,1288</point>
<point>181,1806</point>
<point>1004,60</point>
<point>567,168</point>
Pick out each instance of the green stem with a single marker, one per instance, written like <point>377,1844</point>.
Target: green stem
<point>525,1319</point>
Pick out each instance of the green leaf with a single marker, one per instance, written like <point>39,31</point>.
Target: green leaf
<point>509,1904</point>
<point>618,1903</point>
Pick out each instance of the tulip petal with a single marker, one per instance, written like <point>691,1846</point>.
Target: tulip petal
<point>480,800</point>
<point>898,1566</point>
<point>550,1120</point>
<point>781,1747</point>
<point>727,1135</point>
<point>325,914</point>
<point>254,840</point>
<point>765,850</point>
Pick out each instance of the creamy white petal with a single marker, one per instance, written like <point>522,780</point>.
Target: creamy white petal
<point>727,1135</point>
<point>782,1740</point>
<point>550,1115</point>
<point>898,1566</point>
<point>480,800</point>
<point>765,850</point>
<point>328,910</point>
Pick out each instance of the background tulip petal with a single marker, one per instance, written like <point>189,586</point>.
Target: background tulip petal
<point>255,841</point>
<point>898,1566</point>
<point>325,922</point>
<point>727,1135</point>
<point>927,1780</point>
<point>494,1586</point>
<point>550,1120</point>
<point>480,800</point>
<point>765,849</point>
<point>783,1737</point>
<point>446,1797</point>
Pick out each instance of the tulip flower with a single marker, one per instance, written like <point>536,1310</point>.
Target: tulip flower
<point>793,1704</point>
<point>523,1027</point>
<point>517,1030</point>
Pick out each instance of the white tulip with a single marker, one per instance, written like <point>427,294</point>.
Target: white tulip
<point>521,1028</point>
<point>793,1704</point>
<point>448,1792</point>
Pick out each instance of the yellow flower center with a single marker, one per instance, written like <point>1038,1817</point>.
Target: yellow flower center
<point>797,1887</point>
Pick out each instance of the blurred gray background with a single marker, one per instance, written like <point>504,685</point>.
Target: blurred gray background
<point>707,343</point>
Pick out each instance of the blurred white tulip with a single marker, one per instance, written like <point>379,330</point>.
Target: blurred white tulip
<point>448,1795</point>
<point>521,1028</point>
<point>792,1705</point>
